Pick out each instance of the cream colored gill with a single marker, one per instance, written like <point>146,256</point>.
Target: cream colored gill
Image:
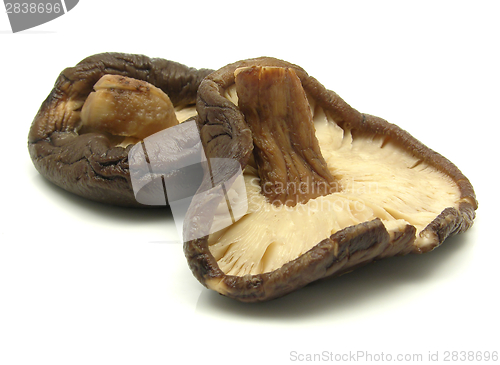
<point>378,180</point>
<point>184,113</point>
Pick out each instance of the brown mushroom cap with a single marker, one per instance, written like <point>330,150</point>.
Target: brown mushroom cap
<point>92,165</point>
<point>355,242</point>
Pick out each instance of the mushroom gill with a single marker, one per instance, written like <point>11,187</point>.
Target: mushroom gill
<point>311,178</point>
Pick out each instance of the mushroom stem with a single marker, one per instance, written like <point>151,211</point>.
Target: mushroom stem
<point>123,106</point>
<point>291,167</point>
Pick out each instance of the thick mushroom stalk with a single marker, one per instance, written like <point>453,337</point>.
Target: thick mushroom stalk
<point>291,167</point>
<point>123,106</point>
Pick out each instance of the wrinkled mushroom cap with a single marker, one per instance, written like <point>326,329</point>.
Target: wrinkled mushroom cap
<point>381,230</point>
<point>92,164</point>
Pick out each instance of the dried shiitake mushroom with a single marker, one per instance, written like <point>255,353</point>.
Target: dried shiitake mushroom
<point>97,110</point>
<point>328,188</point>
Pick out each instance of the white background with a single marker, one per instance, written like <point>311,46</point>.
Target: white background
<point>84,283</point>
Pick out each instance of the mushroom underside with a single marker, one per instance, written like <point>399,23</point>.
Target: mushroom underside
<point>376,178</point>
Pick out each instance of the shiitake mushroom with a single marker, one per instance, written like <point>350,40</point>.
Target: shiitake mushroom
<point>328,188</point>
<point>100,108</point>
